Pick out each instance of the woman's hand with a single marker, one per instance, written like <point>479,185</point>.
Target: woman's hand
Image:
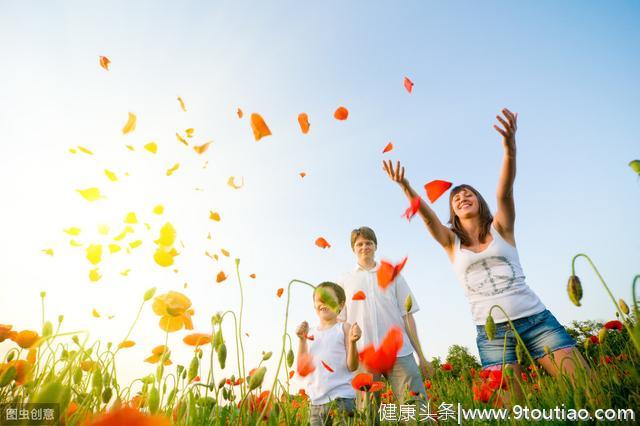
<point>508,131</point>
<point>397,174</point>
<point>302,330</point>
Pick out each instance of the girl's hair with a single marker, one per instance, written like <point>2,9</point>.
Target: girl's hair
<point>485,216</point>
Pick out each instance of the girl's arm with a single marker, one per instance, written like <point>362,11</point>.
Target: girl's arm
<point>352,335</point>
<point>506,215</point>
<point>441,233</point>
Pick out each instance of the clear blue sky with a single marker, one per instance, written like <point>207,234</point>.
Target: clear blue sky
<point>569,69</point>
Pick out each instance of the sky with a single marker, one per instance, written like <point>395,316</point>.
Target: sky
<point>569,69</point>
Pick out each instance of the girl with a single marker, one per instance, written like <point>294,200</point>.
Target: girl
<point>483,252</point>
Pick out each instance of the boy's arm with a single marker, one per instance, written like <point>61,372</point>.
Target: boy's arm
<point>351,335</point>
<point>301,332</point>
<point>410,324</point>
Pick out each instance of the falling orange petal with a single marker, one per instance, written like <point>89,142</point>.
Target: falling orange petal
<point>225,252</point>
<point>239,112</point>
<point>436,188</point>
<point>104,62</point>
<point>388,148</point>
<point>197,339</point>
<point>232,184</point>
<point>325,365</point>
<point>279,292</point>
<point>214,216</point>
<point>259,127</point>
<point>126,344</point>
<point>359,296</point>
<point>303,120</point>
<point>302,174</point>
<point>95,313</point>
<point>387,272</point>
<point>182,140</point>
<point>322,243</point>
<point>341,113</point>
<point>221,277</point>
<point>130,125</point>
<point>200,149</point>
<point>408,84</point>
<point>182,104</point>
<point>305,364</point>
<point>253,276</point>
<point>189,132</point>
<point>173,169</point>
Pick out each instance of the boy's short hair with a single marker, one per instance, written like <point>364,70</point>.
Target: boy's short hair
<point>364,232</point>
<point>339,291</point>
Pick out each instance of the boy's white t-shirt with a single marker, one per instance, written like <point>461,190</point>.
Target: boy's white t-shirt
<point>328,346</point>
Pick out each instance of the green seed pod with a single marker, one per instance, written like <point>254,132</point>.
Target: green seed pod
<point>8,375</point>
<point>225,393</point>
<point>266,356</point>
<point>193,368</point>
<point>290,358</point>
<point>257,378</point>
<point>43,294</point>
<point>602,335</point>
<point>179,369</point>
<point>96,381</point>
<point>623,307</point>
<point>216,319</point>
<point>519,353</point>
<point>222,355</point>
<point>171,396</point>
<point>47,329</point>
<point>574,288</point>
<point>490,327</point>
<point>160,370</point>
<point>408,304</point>
<point>76,340</point>
<point>154,400</point>
<point>77,376</point>
<point>107,393</point>
<point>149,294</point>
<point>217,339</point>
<point>587,343</point>
<point>221,383</point>
<point>11,356</point>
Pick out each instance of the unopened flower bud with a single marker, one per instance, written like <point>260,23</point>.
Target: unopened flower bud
<point>490,327</point>
<point>574,288</point>
<point>623,307</point>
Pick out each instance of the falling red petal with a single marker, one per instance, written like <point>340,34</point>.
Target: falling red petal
<point>408,84</point>
<point>322,243</point>
<point>413,208</point>
<point>325,365</point>
<point>388,148</point>
<point>359,296</point>
<point>436,188</point>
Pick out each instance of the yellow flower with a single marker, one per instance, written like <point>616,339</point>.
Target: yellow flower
<point>174,312</point>
<point>157,353</point>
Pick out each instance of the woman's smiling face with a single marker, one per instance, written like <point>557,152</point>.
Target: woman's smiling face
<point>465,203</point>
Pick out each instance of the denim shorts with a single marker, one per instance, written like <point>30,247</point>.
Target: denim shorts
<point>536,331</point>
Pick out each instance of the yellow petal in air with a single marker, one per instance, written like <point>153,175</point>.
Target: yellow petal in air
<point>114,248</point>
<point>232,184</point>
<point>112,176</point>
<point>94,275</point>
<point>130,126</point>
<point>189,132</point>
<point>164,256</point>
<point>173,169</point>
<point>85,150</point>
<point>72,150</point>
<point>184,108</point>
<point>131,218</point>
<point>128,229</point>
<point>48,251</point>
<point>134,244</point>
<point>182,140</point>
<point>125,273</point>
<point>225,252</point>
<point>94,253</point>
<point>72,231</point>
<point>74,243</point>
<point>167,235</point>
<point>90,194</point>
<point>214,216</point>
<point>200,149</point>
<point>159,209</point>
<point>103,229</point>
<point>130,148</point>
<point>95,313</point>
<point>120,236</point>
<point>152,147</point>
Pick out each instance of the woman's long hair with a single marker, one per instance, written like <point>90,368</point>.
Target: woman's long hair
<point>486,218</point>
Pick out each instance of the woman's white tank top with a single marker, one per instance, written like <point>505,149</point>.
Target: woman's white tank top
<point>494,277</point>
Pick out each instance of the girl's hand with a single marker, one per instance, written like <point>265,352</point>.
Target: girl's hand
<point>397,174</point>
<point>302,330</point>
<point>509,131</point>
<point>355,332</point>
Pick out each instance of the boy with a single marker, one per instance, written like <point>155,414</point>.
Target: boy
<point>333,354</point>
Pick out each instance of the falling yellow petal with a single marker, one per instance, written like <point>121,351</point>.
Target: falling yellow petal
<point>94,275</point>
<point>103,229</point>
<point>72,231</point>
<point>90,194</point>
<point>200,149</point>
<point>114,248</point>
<point>146,225</point>
<point>95,313</point>
<point>209,236</point>
<point>85,150</point>
<point>112,176</point>
<point>152,147</point>
<point>126,344</point>
<point>94,253</point>
<point>225,252</point>
<point>159,209</point>
<point>214,216</point>
<point>131,218</point>
<point>72,150</point>
<point>232,184</point>
<point>74,243</point>
<point>131,124</point>
<point>189,132</point>
<point>128,229</point>
<point>120,236</point>
<point>48,251</point>
<point>134,244</point>
<point>164,257</point>
<point>173,169</point>
<point>130,148</point>
<point>125,273</point>
<point>182,104</point>
<point>206,253</point>
<point>167,235</point>
<point>215,256</point>
<point>182,140</point>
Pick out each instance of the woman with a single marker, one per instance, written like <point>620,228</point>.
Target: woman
<point>482,249</point>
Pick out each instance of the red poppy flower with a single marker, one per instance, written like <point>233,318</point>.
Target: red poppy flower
<point>524,377</point>
<point>325,365</point>
<point>257,403</point>
<point>482,392</point>
<point>413,208</point>
<point>496,380</point>
<point>594,339</point>
<point>376,386</point>
<point>388,272</point>
<point>362,382</point>
<point>127,415</point>
<point>359,296</point>
<point>484,374</point>
<point>381,361</point>
<point>446,367</point>
<point>615,324</point>
<point>605,359</point>
<point>436,188</point>
<point>427,384</point>
<point>305,364</point>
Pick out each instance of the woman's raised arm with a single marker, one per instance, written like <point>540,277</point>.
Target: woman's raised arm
<point>506,214</point>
